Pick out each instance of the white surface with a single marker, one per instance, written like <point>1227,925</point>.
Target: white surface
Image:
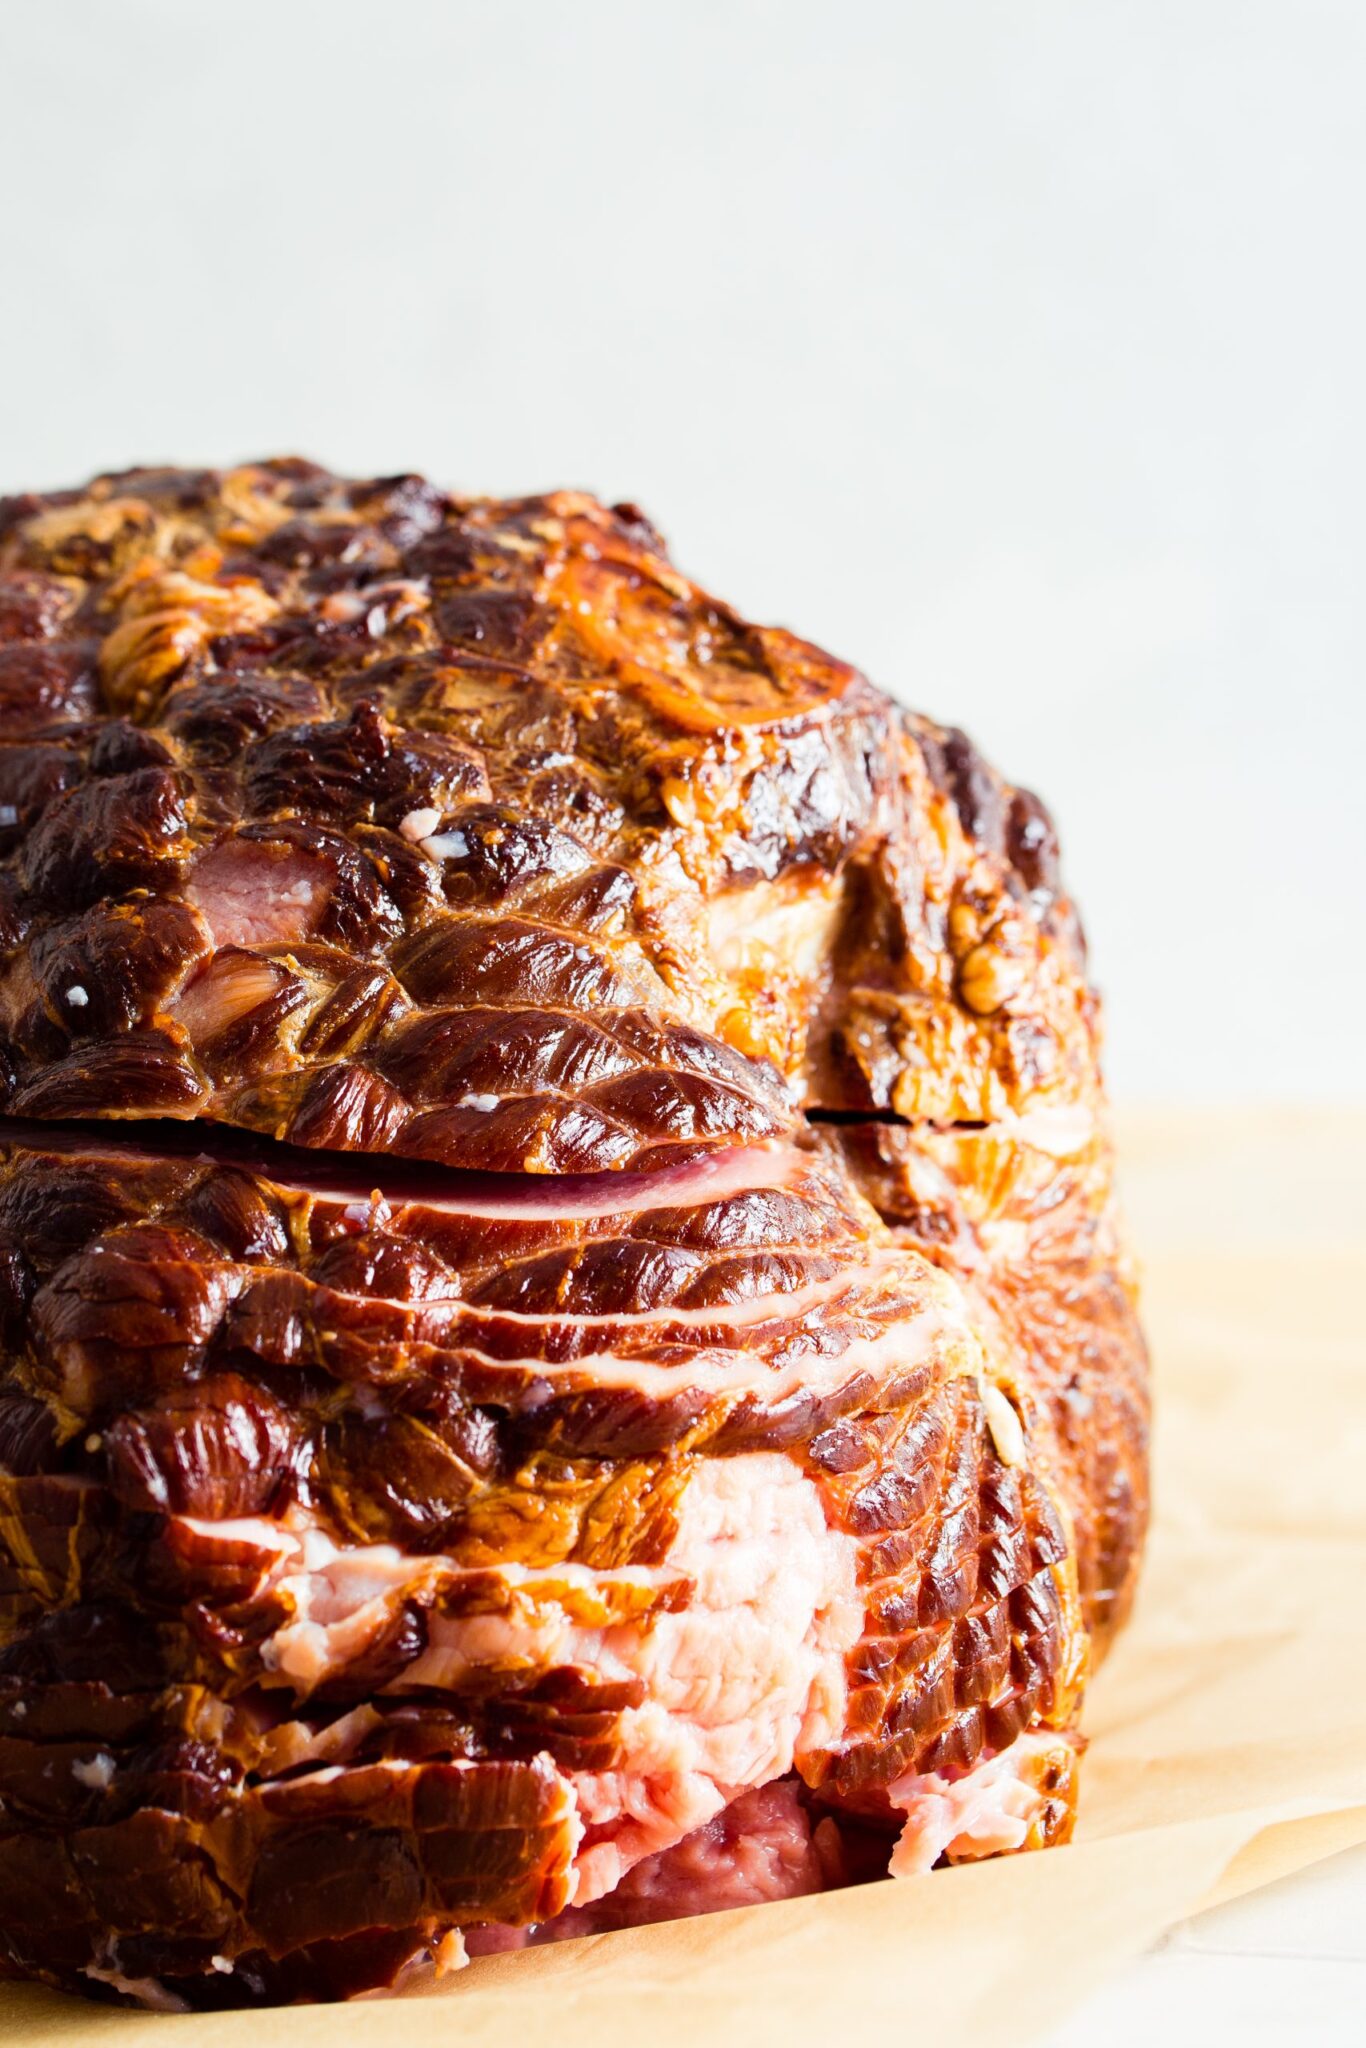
<point>1014,350</point>
<point>1282,1967</point>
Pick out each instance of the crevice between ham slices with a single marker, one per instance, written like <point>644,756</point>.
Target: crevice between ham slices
<point>360,1176</point>
<point>1061,1129</point>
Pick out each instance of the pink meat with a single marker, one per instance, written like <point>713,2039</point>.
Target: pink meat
<point>740,1678</point>
<point>988,1810</point>
<point>762,1847</point>
<point>739,1683</point>
<point>254,894</point>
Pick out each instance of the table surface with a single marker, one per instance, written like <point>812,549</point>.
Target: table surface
<point>1281,1966</point>
<point>1284,1965</point>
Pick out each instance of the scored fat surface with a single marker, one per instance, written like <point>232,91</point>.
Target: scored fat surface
<point>567,1346</point>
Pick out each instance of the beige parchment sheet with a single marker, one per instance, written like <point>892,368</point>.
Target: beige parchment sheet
<point>1228,1730</point>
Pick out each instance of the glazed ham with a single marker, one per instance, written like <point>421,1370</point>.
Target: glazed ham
<point>568,1357</point>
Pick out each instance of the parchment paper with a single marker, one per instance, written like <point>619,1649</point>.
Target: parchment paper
<point>1228,1729</point>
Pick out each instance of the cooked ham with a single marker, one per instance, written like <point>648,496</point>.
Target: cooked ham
<point>233,986</point>
<point>764,1845</point>
<point>250,893</point>
<point>566,1354</point>
<point>985,1811</point>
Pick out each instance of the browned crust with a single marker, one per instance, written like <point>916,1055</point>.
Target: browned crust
<point>592,874</point>
<point>275,667</point>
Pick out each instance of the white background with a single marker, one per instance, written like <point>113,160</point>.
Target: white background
<point>1013,350</point>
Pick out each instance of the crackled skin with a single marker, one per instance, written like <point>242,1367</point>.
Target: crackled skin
<point>378,820</point>
<point>468,836</point>
<point>1032,1236</point>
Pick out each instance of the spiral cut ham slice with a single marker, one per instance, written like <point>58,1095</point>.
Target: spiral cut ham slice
<point>565,1356</point>
<point>428,1548</point>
